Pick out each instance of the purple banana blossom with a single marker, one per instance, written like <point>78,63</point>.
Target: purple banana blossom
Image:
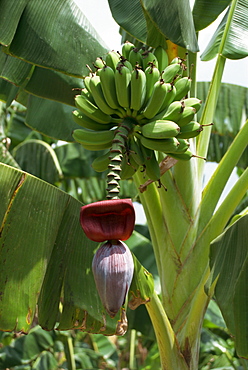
<point>113,269</point>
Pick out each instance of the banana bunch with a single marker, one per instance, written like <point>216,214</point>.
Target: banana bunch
<point>138,84</point>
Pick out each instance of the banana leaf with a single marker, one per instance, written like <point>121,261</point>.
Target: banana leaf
<point>25,79</point>
<point>230,115</point>
<point>206,11</point>
<point>229,267</point>
<point>39,159</point>
<point>236,42</point>
<point>53,34</point>
<point>46,259</point>
<point>6,157</point>
<point>150,22</point>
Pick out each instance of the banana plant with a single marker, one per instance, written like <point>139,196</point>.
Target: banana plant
<point>187,226</point>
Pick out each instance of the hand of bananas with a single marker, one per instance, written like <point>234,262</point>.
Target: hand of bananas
<point>142,86</point>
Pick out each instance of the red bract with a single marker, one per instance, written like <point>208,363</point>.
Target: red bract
<point>108,219</point>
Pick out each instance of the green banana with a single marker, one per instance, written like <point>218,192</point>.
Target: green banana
<point>148,58</point>
<point>91,110</point>
<point>161,145</point>
<point>156,100</point>
<point>86,122</point>
<point>182,147</point>
<point>135,151</point>
<point>171,72</point>
<point>160,129</point>
<point>96,90</point>
<point>138,88</point>
<point>86,92</point>
<point>176,60</point>
<point>112,59</point>
<point>135,57</point>
<point>186,116</point>
<point>87,83</point>
<point>162,58</point>
<point>107,78</point>
<point>182,86</point>
<point>174,111</point>
<point>126,48</point>
<point>190,130</point>
<point>100,164</point>
<point>151,165</point>
<point>125,62</point>
<point>94,139</point>
<point>152,76</point>
<point>122,84</point>
<point>99,63</point>
<point>128,167</point>
<point>185,156</point>
<point>169,97</point>
<point>193,102</point>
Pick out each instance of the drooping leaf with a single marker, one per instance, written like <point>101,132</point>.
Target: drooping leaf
<point>35,80</point>
<point>229,265</point>
<point>150,21</point>
<point>130,17</point>
<point>236,42</point>
<point>39,159</point>
<point>230,115</point>
<point>53,33</point>
<point>206,11</point>
<point>46,259</point>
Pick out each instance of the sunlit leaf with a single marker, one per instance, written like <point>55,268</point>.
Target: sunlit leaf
<point>236,43</point>
<point>206,11</point>
<point>52,33</point>
<point>151,21</point>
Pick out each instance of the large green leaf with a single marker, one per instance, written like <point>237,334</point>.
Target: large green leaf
<point>35,80</point>
<point>229,265</point>
<point>206,11</point>
<point>152,21</point>
<point>230,115</point>
<point>46,258</point>
<point>236,42</point>
<point>52,33</point>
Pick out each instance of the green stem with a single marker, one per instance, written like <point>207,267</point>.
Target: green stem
<point>170,354</point>
<point>152,206</point>
<point>222,215</point>
<point>117,150</point>
<point>210,105</point>
<point>69,353</point>
<point>132,361</point>
<point>216,184</point>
